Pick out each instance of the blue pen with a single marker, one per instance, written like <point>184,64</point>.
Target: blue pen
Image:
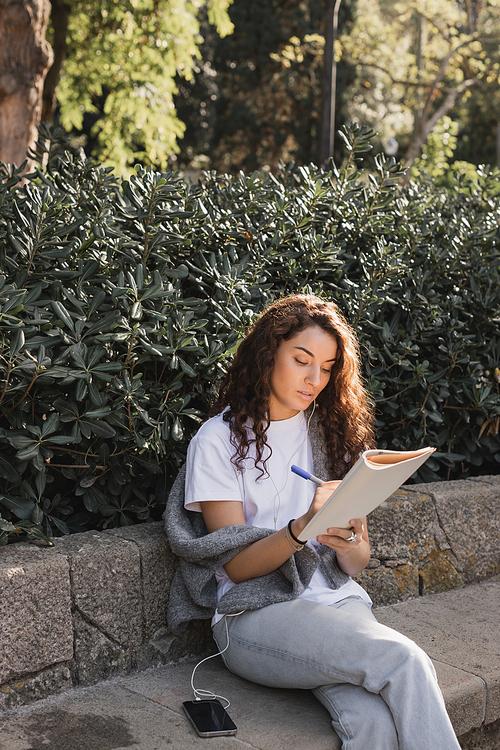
<point>306,475</point>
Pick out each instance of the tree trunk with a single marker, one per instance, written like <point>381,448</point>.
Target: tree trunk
<point>427,126</point>
<point>25,57</point>
<point>59,18</point>
<point>426,121</point>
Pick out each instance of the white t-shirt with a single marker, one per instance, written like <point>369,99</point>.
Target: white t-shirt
<point>269,501</point>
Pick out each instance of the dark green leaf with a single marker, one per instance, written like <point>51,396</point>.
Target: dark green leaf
<point>21,507</point>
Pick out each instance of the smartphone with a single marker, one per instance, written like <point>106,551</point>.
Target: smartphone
<point>209,718</point>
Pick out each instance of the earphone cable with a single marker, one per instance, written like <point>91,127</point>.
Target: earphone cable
<point>276,510</point>
<point>200,693</point>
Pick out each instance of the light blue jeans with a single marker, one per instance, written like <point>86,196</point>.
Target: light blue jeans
<point>379,687</point>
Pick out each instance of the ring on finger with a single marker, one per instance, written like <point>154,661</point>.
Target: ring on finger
<point>352,538</point>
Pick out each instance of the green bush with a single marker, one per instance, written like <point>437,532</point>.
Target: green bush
<point>121,301</point>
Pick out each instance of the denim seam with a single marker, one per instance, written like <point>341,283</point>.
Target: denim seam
<point>346,730</point>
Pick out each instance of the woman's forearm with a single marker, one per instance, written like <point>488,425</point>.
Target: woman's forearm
<point>270,553</point>
<point>260,557</point>
<point>354,562</point>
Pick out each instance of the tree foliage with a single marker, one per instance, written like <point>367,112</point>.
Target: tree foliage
<point>154,82</point>
<point>121,66</point>
<point>417,61</point>
<point>120,302</point>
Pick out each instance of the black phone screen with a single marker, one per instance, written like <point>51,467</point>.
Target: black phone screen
<point>209,717</point>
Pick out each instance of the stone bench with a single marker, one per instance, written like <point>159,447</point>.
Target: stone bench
<point>93,607</point>
<point>144,709</point>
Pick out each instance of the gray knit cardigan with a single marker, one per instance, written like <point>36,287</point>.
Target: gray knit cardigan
<point>193,590</point>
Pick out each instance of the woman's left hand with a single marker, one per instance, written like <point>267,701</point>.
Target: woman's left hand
<point>337,538</point>
<point>352,556</point>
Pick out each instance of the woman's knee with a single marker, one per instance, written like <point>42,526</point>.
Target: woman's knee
<point>406,656</point>
<point>416,654</point>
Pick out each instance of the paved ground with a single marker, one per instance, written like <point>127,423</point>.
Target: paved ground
<point>145,711</point>
<point>459,629</point>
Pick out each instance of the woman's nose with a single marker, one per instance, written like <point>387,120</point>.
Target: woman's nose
<point>313,376</point>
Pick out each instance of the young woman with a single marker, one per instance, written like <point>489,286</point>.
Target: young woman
<point>288,614</point>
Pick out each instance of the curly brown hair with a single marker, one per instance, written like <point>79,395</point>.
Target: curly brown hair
<point>343,409</point>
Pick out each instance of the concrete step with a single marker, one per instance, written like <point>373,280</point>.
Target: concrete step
<point>458,629</point>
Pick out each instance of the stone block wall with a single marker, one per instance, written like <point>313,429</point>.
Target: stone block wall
<point>91,607</point>
<point>428,538</point>
<point>94,605</point>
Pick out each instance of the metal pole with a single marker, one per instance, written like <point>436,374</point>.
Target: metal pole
<point>333,88</point>
<point>498,144</point>
<point>329,82</point>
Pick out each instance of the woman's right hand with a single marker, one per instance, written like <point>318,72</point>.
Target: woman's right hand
<point>352,558</point>
<point>322,494</point>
